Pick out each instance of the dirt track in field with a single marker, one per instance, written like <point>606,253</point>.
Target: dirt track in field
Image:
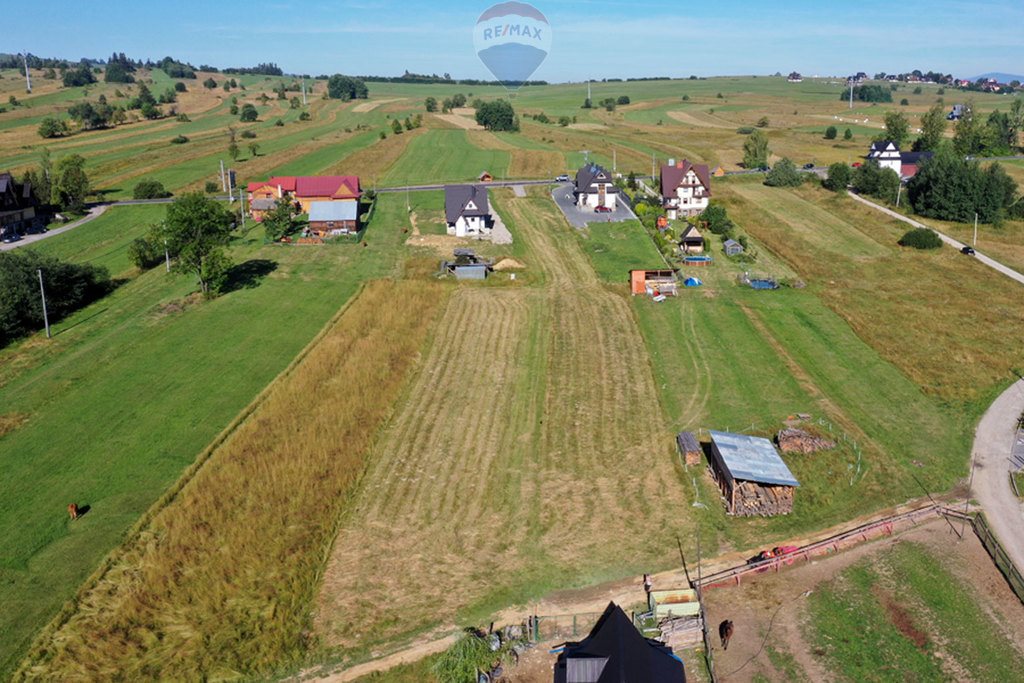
<point>691,120</point>
<point>531,445</point>
<point>458,121</point>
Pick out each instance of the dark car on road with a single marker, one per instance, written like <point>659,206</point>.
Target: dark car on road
<point>808,166</point>
<point>602,209</point>
<point>967,250</point>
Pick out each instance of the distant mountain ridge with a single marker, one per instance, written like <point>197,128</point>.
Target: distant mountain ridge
<point>999,76</point>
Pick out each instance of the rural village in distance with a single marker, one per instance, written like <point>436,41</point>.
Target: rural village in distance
<point>488,343</point>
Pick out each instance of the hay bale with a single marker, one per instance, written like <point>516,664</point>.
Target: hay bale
<point>508,264</point>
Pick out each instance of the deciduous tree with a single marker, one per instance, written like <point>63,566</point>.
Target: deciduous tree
<point>755,150</point>
<point>198,229</point>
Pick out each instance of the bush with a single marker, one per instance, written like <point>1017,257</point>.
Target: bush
<point>783,174</point>
<point>183,118</point>
<point>848,135</point>
<point>921,238</point>
<point>249,113</point>
<point>180,87</point>
<point>212,187</point>
<point>623,99</point>
<point>831,132</point>
<point>233,110</point>
<point>248,134</point>
<point>304,116</point>
<point>838,177</point>
<point>917,90</point>
<point>144,253</point>
<point>744,130</point>
<point>149,189</point>
<point>762,122</point>
<point>279,123</point>
<point>717,219</point>
<point>904,102</point>
<point>68,287</point>
<point>51,127</point>
<point>179,140</point>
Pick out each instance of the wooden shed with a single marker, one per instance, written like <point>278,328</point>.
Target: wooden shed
<point>752,475</point>
<point>689,448</point>
<point>652,282</point>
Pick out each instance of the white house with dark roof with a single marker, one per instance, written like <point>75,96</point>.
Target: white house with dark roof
<point>888,155</point>
<point>467,211</point>
<point>685,188</point>
<point>595,187</point>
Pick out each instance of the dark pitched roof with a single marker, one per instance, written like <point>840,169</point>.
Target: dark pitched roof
<point>691,234</point>
<point>615,652</point>
<point>915,157</point>
<point>882,145</point>
<point>672,176</point>
<point>465,200</point>
<point>14,196</point>
<point>590,175</point>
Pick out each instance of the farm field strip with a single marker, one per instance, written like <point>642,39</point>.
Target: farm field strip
<point>116,410</point>
<point>486,477</point>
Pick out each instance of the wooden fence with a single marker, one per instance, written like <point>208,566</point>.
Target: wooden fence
<point>1003,562</point>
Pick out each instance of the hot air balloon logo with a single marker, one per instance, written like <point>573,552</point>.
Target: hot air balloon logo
<point>512,39</point>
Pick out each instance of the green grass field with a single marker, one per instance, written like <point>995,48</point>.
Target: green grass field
<point>132,388</point>
<point>446,156</point>
<point>902,617</point>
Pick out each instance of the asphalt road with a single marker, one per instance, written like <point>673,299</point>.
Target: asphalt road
<point>987,260</point>
<point>993,442</point>
<point>94,212</point>
<point>578,218</point>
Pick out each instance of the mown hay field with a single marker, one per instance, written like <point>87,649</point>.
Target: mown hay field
<point>529,454</point>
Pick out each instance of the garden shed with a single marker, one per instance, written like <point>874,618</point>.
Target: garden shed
<point>732,247</point>
<point>652,282</point>
<point>751,474</point>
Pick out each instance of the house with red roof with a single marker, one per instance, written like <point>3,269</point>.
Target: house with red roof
<point>685,188</point>
<point>303,191</point>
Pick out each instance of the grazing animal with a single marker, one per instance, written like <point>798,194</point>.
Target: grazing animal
<point>725,633</point>
<point>72,511</point>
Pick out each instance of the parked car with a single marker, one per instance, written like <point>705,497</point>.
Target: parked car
<point>562,178</point>
<point>968,251</point>
<point>808,166</point>
<point>857,164</point>
<point>11,237</point>
<point>602,209</point>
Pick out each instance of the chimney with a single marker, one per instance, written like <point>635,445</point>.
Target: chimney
<point>280,194</point>
<point>671,162</point>
<point>679,164</point>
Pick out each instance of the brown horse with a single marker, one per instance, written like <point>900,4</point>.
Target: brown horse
<point>725,630</point>
<point>72,511</point>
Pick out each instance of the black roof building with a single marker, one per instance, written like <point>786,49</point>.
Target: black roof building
<point>465,201</point>
<point>615,652</point>
<point>593,175</point>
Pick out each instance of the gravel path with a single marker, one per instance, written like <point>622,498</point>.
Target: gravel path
<point>993,442</point>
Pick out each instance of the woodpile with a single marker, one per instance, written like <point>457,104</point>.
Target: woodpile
<point>682,633</point>
<point>792,440</point>
<point>689,447</point>
<point>752,499</point>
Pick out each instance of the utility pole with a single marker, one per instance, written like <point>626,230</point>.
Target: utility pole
<point>899,191</point>
<point>28,79</point>
<point>241,198</point>
<point>654,164</point>
<point>975,229</point>
<point>588,91</point>
<point>303,92</point>
<point>851,93</point>
<point>223,179</point>
<point>167,256</point>
<point>42,293</point>
<point>615,160</point>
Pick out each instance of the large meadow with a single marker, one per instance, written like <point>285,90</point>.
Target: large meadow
<point>340,453</point>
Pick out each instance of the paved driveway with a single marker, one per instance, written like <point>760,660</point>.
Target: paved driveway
<point>578,218</point>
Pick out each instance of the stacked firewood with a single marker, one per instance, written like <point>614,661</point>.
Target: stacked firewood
<point>761,499</point>
<point>681,632</point>
<point>792,440</point>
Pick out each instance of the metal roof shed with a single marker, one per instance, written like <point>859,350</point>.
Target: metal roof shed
<point>751,468</point>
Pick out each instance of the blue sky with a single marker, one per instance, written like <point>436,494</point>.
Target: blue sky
<point>591,38</point>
